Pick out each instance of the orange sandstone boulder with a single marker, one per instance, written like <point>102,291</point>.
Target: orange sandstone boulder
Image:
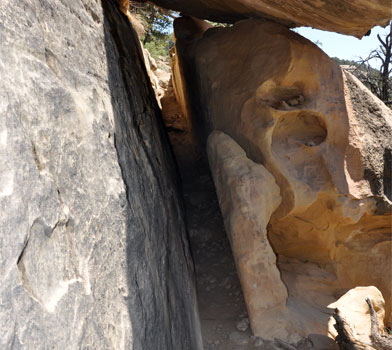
<point>325,139</point>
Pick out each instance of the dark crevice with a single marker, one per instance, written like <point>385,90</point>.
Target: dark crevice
<point>161,303</point>
<point>23,251</point>
<point>387,174</point>
<point>35,156</point>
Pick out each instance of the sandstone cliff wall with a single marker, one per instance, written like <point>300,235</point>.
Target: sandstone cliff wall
<point>93,246</point>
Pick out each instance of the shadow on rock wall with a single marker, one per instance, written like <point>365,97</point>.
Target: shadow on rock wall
<point>161,297</point>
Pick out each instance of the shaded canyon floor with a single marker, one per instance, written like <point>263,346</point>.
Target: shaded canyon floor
<point>223,314</point>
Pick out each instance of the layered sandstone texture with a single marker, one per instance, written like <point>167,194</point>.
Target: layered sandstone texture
<point>248,195</point>
<point>93,249</point>
<point>324,138</point>
<point>343,16</point>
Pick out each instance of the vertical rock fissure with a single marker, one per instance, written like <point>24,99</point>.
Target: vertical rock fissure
<point>387,174</point>
<point>223,313</point>
<point>162,301</point>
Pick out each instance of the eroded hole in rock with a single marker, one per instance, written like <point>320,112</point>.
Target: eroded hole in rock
<point>296,142</point>
<point>280,97</point>
<point>296,129</point>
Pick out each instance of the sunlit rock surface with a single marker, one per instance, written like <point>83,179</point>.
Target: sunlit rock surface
<point>344,16</point>
<point>93,248</point>
<point>322,135</point>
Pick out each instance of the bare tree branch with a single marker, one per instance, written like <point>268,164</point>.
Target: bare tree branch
<point>379,83</point>
<point>381,41</point>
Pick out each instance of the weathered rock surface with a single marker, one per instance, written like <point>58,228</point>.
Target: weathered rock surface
<point>324,138</point>
<point>353,307</point>
<point>343,16</point>
<point>248,195</point>
<point>93,248</point>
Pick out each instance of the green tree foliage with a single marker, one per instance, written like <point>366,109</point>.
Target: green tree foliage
<point>218,24</point>
<point>157,25</point>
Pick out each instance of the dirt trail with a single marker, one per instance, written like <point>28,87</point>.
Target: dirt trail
<point>221,304</point>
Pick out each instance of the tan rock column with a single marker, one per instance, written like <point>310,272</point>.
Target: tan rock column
<point>248,195</point>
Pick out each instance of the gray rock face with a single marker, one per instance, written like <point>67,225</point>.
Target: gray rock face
<point>93,249</point>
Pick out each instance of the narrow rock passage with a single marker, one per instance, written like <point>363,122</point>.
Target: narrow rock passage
<point>221,304</point>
